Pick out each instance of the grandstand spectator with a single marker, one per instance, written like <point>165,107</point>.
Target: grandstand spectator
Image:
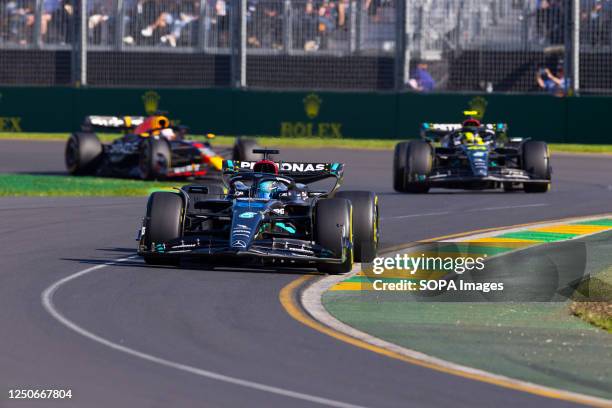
<point>21,19</point>
<point>372,6</point>
<point>596,21</point>
<point>328,18</point>
<point>305,27</point>
<point>269,16</point>
<point>56,20</point>
<point>421,80</point>
<point>99,14</point>
<point>132,19</point>
<point>51,9</point>
<point>185,14</point>
<point>550,21</point>
<point>164,17</point>
<point>343,9</point>
<point>557,85</point>
<point>252,39</point>
<point>542,19</point>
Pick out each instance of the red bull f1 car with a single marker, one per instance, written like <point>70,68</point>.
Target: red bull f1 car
<point>150,148</point>
<point>266,214</point>
<point>472,156</point>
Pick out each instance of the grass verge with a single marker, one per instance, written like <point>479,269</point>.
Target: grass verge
<point>595,308</point>
<point>313,143</point>
<point>54,186</point>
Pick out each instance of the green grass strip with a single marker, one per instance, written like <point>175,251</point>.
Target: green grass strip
<point>604,222</point>
<point>54,186</point>
<point>538,236</point>
<point>462,248</point>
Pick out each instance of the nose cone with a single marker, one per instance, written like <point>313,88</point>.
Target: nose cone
<point>479,160</point>
<point>245,224</point>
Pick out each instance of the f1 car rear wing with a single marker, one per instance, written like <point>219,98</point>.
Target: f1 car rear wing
<point>112,122</point>
<point>435,131</point>
<point>300,172</point>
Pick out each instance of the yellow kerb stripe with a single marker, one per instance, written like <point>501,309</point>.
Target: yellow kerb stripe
<point>502,240</point>
<point>573,229</point>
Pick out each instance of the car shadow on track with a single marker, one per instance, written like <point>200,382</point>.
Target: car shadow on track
<point>186,265</point>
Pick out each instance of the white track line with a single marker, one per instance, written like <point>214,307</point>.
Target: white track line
<point>399,217</point>
<point>509,207</point>
<point>47,302</point>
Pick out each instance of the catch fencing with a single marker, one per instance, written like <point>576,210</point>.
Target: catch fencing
<point>547,46</point>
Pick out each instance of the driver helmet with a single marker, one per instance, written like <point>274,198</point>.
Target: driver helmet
<point>270,189</point>
<point>472,138</point>
<point>168,133</point>
<point>469,137</point>
<point>266,189</point>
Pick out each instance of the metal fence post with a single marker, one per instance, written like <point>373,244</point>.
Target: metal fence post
<point>202,26</point>
<point>37,23</point>
<point>575,46</point>
<point>287,26</point>
<point>402,48</point>
<point>83,43</point>
<point>353,26</point>
<point>358,25</point>
<point>239,45</point>
<point>120,25</point>
<point>79,44</point>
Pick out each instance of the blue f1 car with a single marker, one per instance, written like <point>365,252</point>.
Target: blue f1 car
<point>471,156</point>
<point>264,214</point>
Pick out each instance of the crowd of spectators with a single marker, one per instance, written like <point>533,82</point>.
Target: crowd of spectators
<point>18,21</point>
<point>315,24</point>
<point>175,23</point>
<point>595,21</point>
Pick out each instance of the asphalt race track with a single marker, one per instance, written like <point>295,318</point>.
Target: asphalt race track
<point>225,321</point>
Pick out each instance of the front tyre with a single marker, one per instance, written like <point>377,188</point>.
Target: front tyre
<point>399,166</point>
<point>163,223</point>
<point>419,157</point>
<point>536,162</point>
<point>155,158</point>
<point>333,231</point>
<point>83,153</point>
<point>366,231</point>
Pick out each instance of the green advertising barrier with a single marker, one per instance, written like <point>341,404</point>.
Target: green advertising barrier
<point>308,114</point>
<point>317,114</point>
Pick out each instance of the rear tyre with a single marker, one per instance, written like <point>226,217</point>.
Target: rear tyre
<point>333,227</point>
<point>399,166</point>
<point>243,150</point>
<point>155,159</point>
<point>83,153</point>
<point>419,156</point>
<point>163,223</point>
<point>536,162</point>
<point>366,232</point>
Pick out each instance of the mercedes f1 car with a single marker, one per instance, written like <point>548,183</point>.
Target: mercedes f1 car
<point>471,156</point>
<point>268,217</point>
<point>151,148</point>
